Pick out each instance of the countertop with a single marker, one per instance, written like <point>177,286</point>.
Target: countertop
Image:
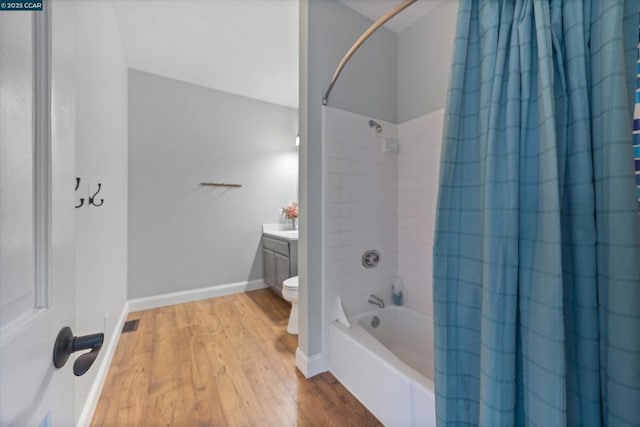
<point>280,231</point>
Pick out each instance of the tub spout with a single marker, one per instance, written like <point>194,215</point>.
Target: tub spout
<point>375,300</point>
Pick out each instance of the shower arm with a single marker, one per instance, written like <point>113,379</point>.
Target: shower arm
<point>372,29</point>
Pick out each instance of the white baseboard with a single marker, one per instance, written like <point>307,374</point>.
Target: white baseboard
<point>103,369</point>
<point>310,366</point>
<point>163,300</point>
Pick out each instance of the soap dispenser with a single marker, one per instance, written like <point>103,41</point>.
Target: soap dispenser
<point>397,291</point>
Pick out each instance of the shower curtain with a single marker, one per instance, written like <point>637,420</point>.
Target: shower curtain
<point>537,250</point>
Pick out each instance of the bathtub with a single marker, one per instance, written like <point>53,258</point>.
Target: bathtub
<point>389,368</point>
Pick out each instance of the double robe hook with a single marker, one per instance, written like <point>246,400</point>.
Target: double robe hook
<point>82,198</point>
<point>92,199</point>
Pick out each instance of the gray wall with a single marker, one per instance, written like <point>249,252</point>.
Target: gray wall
<point>309,299</point>
<point>367,86</point>
<point>101,156</point>
<point>425,50</point>
<point>184,236</point>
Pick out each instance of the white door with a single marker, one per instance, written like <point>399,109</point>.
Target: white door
<point>36,214</point>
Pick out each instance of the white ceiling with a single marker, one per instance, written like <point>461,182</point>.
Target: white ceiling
<point>374,9</point>
<point>246,47</point>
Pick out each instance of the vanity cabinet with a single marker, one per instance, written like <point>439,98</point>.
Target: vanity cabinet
<point>280,261</point>
<point>269,267</point>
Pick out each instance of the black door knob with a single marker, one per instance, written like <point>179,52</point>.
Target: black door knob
<point>66,344</point>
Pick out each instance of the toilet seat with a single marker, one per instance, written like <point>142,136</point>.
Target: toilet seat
<point>291,283</point>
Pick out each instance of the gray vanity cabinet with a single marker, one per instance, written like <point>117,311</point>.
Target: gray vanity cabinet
<point>269,267</point>
<point>280,261</point>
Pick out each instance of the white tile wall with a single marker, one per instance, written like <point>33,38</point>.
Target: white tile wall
<point>418,172</point>
<point>379,201</point>
<point>360,211</point>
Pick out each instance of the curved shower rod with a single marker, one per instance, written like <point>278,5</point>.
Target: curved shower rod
<point>372,29</point>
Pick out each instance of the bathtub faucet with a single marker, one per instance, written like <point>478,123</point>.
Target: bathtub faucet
<point>373,299</point>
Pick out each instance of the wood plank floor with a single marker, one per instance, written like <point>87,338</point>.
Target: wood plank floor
<point>220,362</point>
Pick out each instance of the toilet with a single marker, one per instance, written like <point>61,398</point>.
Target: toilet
<point>290,293</point>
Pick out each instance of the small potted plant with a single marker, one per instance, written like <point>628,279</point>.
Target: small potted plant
<point>291,213</point>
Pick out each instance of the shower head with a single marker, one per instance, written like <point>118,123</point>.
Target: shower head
<point>374,124</point>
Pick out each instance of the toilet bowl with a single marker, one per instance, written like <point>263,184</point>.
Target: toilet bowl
<point>290,293</point>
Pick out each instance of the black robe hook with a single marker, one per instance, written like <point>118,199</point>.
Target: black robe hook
<point>93,198</point>
<point>82,198</point>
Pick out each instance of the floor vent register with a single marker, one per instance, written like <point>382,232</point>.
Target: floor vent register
<point>130,326</point>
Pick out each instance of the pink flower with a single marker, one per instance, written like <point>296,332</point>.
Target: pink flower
<point>291,211</point>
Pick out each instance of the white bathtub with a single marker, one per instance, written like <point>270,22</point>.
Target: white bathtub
<point>388,368</point>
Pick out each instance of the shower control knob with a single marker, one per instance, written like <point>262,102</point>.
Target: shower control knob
<point>370,258</point>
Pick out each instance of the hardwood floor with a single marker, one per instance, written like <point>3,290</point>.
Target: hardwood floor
<point>220,362</point>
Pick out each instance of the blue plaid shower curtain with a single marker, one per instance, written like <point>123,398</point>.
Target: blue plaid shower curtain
<point>537,247</point>
<point>636,123</point>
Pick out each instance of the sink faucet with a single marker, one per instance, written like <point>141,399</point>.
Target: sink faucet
<point>375,300</point>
